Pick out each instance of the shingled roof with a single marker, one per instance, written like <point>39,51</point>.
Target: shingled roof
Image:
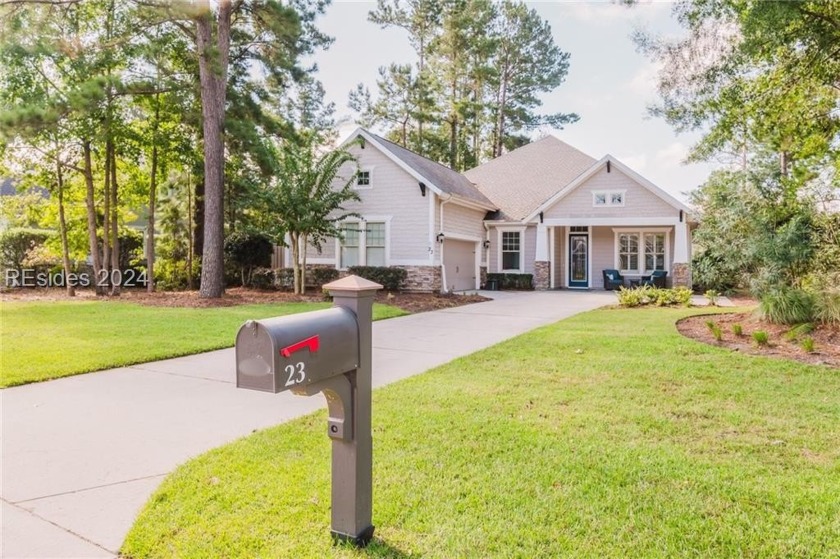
<point>441,177</point>
<point>521,180</point>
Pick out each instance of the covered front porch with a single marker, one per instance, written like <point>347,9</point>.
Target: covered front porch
<point>572,253</point>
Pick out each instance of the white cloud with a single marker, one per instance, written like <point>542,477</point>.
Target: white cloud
<point>636,162</point>
<point>643,82</point>
<point>607,11</point>
<point>672,155</point>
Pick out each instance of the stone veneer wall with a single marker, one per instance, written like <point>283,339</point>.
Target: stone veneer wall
<point>542,275</point>
<point>482,280</point>
<point>422,279</point>
<point>682,275</point>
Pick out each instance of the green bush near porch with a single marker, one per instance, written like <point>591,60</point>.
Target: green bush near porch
<point>512,281</point>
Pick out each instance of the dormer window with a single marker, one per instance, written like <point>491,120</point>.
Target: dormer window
<point>608,198</point>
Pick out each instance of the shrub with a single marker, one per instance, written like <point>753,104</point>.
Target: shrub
<point>761,338</point>
<point>715,330</point>
<point>808,344</point>
<point>317,277</point>
<point>262,278</point>
<point>390,279</point>
<point>712,296</point>
<point>799,330</point>
<point>16,243</point>
<point>738,330</point>
<point>172,275</point>
<point>512,281</point>
<point>246,251</point>
<point>647,295</point>
<point>785,305</point>
<point>284,279</point>
<point>827,307</point>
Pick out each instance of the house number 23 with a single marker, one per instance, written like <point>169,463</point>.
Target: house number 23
<point>296,372</point>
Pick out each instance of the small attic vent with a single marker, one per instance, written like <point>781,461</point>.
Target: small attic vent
<point>608,165</point>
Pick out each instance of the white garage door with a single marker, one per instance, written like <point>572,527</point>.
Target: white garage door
<point>459,259</point>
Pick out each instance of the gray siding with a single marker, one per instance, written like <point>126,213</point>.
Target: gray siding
<point>638,200</point>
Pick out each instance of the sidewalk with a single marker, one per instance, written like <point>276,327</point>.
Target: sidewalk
<point>81,455</point>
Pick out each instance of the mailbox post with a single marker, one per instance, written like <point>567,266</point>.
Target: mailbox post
<point>327,351</point>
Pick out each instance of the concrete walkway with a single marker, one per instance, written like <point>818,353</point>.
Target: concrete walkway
<point>81,455</point>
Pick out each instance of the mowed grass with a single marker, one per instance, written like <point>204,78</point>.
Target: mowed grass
<point>47,340</point>
<point>605,435</point>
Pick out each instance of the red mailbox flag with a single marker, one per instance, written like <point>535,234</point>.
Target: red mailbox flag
<point>312,343</point>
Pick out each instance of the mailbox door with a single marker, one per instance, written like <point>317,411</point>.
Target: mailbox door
<point>255,358</point>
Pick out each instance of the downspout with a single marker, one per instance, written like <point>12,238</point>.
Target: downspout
<point>442,265</point>
<point>487,250</point>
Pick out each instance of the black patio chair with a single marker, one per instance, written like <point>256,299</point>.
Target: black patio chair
<point>612,280</point>
<point>655,279</point>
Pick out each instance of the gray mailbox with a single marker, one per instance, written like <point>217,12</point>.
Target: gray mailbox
<point>329,352</point>
<point>288,352</point>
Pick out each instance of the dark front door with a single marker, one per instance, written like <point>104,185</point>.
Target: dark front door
<point>578,260</point>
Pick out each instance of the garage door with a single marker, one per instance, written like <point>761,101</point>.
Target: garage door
<point>459,259</point>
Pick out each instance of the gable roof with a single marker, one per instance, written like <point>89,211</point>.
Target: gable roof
<point>520,181</point>
<point>440,179</point>
<point>597,166</point>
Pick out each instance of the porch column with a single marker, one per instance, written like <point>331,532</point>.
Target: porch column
<point>542,262</point>
<point>681,268</point>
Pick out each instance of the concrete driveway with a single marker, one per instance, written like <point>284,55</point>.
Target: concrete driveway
<point>81,455</point>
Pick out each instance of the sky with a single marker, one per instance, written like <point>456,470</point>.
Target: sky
<point>609,85</point>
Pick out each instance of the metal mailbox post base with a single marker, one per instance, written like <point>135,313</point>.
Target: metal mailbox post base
<point>352,461</point>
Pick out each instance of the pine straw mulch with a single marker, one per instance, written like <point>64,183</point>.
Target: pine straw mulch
<point>410,302</point>
<point>826,338</point>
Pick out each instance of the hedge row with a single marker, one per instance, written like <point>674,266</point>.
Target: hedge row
<point>511,281</point>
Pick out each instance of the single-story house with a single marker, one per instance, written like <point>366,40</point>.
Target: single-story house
<point>545,209</point>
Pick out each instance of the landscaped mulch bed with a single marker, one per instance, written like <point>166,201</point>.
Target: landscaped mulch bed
<point>410,302</point>
<point>826,338</point>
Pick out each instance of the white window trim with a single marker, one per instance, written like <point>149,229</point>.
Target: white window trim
<point>608,198</point>
<point>521,231</point>
<point>365,169</point>
<point>641,233</point>
<point>362,224</point>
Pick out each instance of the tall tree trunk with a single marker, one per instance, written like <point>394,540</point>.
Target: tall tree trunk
<point>303,265</point>
<point>500,117</point>
<point>150,229</point>
<point>213,59</point>
<point>107,265</point>
<point>62,231</point>
<point>293,238</point>
<point>93,241</point>
<point>116,276</point>
<point>191,234</point>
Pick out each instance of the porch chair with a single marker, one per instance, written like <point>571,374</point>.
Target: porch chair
<point>612,279</point>
<point>655,279</point>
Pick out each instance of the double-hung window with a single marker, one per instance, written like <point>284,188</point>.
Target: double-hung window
<point>374,244</point>
<point>654,252</point>
<point>363,244</point>
<point>511,250</point>
<point>628,252</point>
<point>350,245</point>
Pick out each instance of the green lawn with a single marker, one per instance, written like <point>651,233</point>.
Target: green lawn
<point>46,340</point>
<point>605,435</point>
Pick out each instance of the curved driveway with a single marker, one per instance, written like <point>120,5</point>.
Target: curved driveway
<point>81,455</point>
